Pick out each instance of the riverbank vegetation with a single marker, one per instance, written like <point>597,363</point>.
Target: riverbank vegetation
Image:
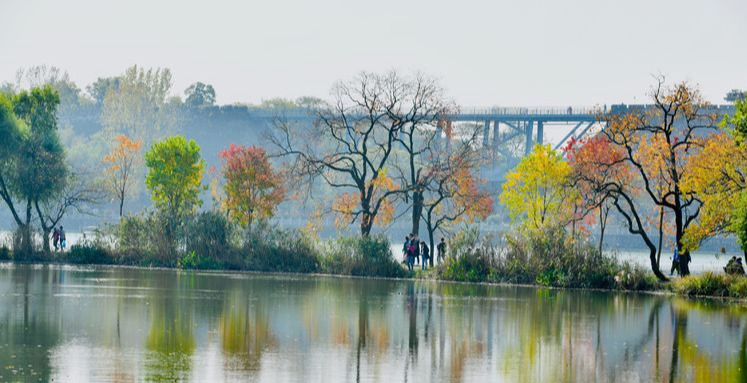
<point>384,148</point>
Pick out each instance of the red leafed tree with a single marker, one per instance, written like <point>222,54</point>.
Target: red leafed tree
<point>252,188</point>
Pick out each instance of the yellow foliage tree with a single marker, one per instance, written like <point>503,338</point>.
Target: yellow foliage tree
<point>536,193</point>
<point>717,176</point>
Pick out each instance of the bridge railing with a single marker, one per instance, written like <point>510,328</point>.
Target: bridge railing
<point>534,110</point>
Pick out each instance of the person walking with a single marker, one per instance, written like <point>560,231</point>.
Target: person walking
<point>410,253</point>
<point>63,240</point>
<point>405,247</point>
<point>416,243</point>
<point>55,238</point>
<point>675,263</point>
<point>426,255</point>
<point>441,248</point>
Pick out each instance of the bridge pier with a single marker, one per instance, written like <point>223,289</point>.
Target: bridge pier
<point>540,133</point>
<point>486,135</point>
<point>496,139</point>
<point>528,130</point>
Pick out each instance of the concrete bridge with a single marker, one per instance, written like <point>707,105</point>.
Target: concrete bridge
<point>502,125</point>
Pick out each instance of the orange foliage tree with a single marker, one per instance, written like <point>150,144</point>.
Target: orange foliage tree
<point>646,151</point>
<point>600,175</point>
<point>253,189</point>
<point>121,163</point>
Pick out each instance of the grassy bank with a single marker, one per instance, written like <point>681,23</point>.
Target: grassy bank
<point>552,259</point>
<point>207,242</point>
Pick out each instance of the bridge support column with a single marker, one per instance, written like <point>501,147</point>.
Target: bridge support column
<point>540,133</point>
<point>496,139</point>
<point>486,135</point>
<point>528,133</point>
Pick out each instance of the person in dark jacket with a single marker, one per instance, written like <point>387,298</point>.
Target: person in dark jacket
<point>441,247</point>
<point>426,254</point>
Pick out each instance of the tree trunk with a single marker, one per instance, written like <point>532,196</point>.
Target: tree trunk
<point>431,231</point>
<point>417,211</point>
<point>661,235</point>
<point>366,224</point>
<point>121,206</point>
<point>45,241</point>
<point>433,250</point>
<point>685,264</point>
<point>655,265</point>
<point>602,226</point>
<point>24,248</point>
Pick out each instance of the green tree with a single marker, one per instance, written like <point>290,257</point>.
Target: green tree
<point>140,107</point>
<point>174,174</point>
<point>99,88</point>
<point>34,168</point>
<point>199,94</point>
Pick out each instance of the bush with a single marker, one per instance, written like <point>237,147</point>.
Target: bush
<point>209,241</point>
<point>361,256</point>
<point>271,249</point>
<point>548,258</point>
<point>470,267</point>
<point>88,253</point>
<point>711,284</point>
<point>5,254</point>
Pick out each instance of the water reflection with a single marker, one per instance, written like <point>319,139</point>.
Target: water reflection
<point>109,324</point>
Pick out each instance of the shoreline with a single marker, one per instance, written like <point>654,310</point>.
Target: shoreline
<point>660,292</point>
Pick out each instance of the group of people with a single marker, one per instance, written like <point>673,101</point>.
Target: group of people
<point>677,262</point>
<point>414,249</point>
<point>734,266</point>
<point>58,239</point>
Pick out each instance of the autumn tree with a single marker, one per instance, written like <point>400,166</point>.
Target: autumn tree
<point>121,162</point>
<point>454,196</point>
<point>452,187</point>
<point>536,193</point>
<point>718,176</point>
<point>657,143</point>
<point>174,175</point>
<point>599,174</point>
<point>351,146</point>
<point>253,189</point>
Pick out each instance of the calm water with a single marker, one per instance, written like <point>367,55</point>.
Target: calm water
<point>120,325</point>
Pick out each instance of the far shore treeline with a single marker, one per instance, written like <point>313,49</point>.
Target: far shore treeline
<point>381,149</point>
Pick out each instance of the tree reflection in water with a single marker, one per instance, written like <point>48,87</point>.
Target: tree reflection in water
<point>117,324</point>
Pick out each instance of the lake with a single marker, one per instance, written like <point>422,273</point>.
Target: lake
<point>109,324</point>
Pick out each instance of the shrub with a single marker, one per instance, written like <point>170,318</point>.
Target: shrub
<point>361,256</point>
<point>635,277</point>
<point>711,284</point>
<point>549,258</point>
<point>470,267</point>
<point>208,236</point>
<point>88,253</point>
<point>5,254</point>
<point>271,249</point>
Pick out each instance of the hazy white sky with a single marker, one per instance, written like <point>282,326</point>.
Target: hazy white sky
<point>528,52</point>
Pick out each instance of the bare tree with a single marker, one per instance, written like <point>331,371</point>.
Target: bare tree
<point>352,144</point>
<point>79,194</point>
<point>419,137</point>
